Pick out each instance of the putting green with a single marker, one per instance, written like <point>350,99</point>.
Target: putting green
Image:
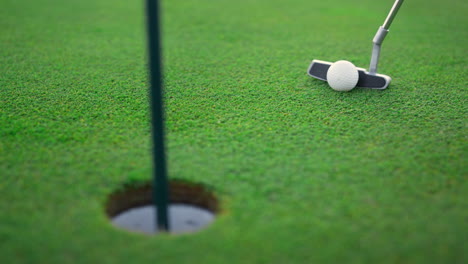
<point>305,174</point>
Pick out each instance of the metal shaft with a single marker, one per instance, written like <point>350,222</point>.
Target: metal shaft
<point>388,21</point>
<point>160,182</point>
<point>380,36</point>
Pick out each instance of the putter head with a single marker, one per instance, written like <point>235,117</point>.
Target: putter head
<point>318,69</point>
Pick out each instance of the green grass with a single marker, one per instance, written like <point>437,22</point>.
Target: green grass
<point>305,174</point>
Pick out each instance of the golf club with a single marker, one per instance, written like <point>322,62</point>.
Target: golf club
<point>367,79</point>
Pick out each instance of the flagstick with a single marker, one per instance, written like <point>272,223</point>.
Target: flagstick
<point>160,182</point>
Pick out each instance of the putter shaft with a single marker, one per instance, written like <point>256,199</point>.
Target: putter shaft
<point>380,36</point>
<point>388,21</point>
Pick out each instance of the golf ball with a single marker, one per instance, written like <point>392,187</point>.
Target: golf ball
<point>342,76</point>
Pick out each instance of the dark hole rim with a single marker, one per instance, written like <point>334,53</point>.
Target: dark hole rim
<point>181,192</point>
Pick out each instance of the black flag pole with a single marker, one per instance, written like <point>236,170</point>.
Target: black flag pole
<point>160,181</point>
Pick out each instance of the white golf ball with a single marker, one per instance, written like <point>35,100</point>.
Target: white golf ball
<point>342,76</point>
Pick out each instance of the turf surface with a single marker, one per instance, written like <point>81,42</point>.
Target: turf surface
<point>305,174</point>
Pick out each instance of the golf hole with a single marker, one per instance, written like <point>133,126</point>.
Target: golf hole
<point>192,207</point>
